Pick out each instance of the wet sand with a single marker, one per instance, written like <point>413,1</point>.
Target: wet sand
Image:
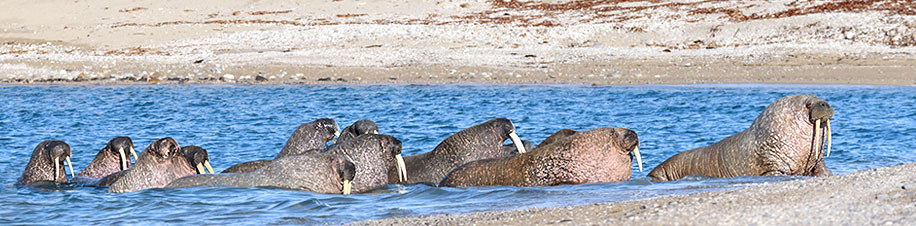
<point>883,196</point>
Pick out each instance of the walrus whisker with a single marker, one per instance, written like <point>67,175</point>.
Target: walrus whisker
<point>210,168</point>
<point>638,158</point>
<point>518,142</point>
<point>56,167</point>
<point>828,139</point>
<point>200,169</point>
<point>401,167</point>
<point>346,187</point>
<point>123,159</point>
<point>72,174</point>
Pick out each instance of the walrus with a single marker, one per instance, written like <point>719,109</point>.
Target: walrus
<point>111,159</point>
<point>787,138</point>
<point>360,127</point>
<point>319,173</point>
<point>598,155</point>
<point>194,155</point>
<point>481,141</point>
<point>511,149</point>
<point>308,138</point>
<point>559,135</point>
<point>46,164</point>
<point>372,154</point>
<point>160,163</point>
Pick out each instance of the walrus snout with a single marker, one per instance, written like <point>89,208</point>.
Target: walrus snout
<point>198,158</point>
<point>331,126</point>
<point>121,147</point>
<point>819,110</point>
<point>164,147</point>
<point>60,154</point>
<point>346,170</point>
<point>629,141</point>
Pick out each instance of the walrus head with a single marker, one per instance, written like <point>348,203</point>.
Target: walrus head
<point>121,147</point>
<point>509,129</point>
<point>629,141</point>
<point>791,134</point>
<point>346,171</point>
<point>164,149</point>
<point>393,146</point>
<point>364,126</point>
<point>48,157</point>
<point>330,126</point>
<point>198,158</point>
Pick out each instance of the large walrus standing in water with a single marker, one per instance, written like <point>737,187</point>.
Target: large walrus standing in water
<point>161,163</point>
<point>787,138</point>
<point>308,137</point>
<point>598,155</point>
<point>372,154</point>
<point>47,163</point>
<point>481,141</point>
<point>111,159</point>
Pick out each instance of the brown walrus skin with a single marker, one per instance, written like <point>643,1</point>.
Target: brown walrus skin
<point>481,141</point>
<point>598,155</point>
<point>559,135</point>
<point>196,156</point>
<point>372,154</point>
<point>320,173</point>
<point>111,159</point>
<point>41,166</point>
<point>781,141</point>
<point>159,164</point>
<point>309,136</point>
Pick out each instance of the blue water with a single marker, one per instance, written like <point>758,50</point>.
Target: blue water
<point>873,127</point>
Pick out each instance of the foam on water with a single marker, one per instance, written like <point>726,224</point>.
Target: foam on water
<point>873,127</point>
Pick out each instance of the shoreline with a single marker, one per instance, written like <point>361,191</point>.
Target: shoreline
<point>885,195</point>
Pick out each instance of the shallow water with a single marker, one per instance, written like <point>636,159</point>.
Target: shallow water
<point>873,127</point>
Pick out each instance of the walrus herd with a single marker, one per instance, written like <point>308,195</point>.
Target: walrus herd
<point>787,138</point>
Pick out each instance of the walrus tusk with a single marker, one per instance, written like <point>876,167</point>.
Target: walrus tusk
<point>134,154</point>
<point>336,134</point>
<point>200,169</point>
<point>124,158</point>
<point>817,132</point>
<point>401,167</point>
<point>210,168</point>
<point>517,142</point>
<point>56,168</point>
<point>72,174</point>
<point>828,139</point>
<point>638,158</point>
<point>374,132</point>
<point>346,187</point>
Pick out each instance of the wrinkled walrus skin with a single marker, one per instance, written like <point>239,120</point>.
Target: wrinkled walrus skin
<point>481,141</point>
<point>114,157</point>
<point>778,142</point>
<point>42,167</point>
<point>319,173</point>
<point>372,154</point>
<point>308,137</point>
<point>159,164</point>
<point>593,156</point>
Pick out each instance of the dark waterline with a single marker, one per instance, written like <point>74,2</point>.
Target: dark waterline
<point>872,126</point>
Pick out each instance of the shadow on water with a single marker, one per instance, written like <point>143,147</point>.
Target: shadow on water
<point>243,123</point>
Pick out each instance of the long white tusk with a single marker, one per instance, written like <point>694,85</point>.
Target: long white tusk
<point>829,139</point>
<point>374,131</point>
<point>56,168</point>
<point>638,158</point>
<point>124,158</point>
<point>200,169</point>
<point>210,168</point>
<point>72,175</point>
<point>517,142</point>
<point>817,135</point>
<point>401,167</point>
<point>346,187</point>
<point>134,154</point>
<point>336,135</point>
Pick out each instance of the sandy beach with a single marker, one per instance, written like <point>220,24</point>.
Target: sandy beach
<point>433,42</point>
<point>503,42</point>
